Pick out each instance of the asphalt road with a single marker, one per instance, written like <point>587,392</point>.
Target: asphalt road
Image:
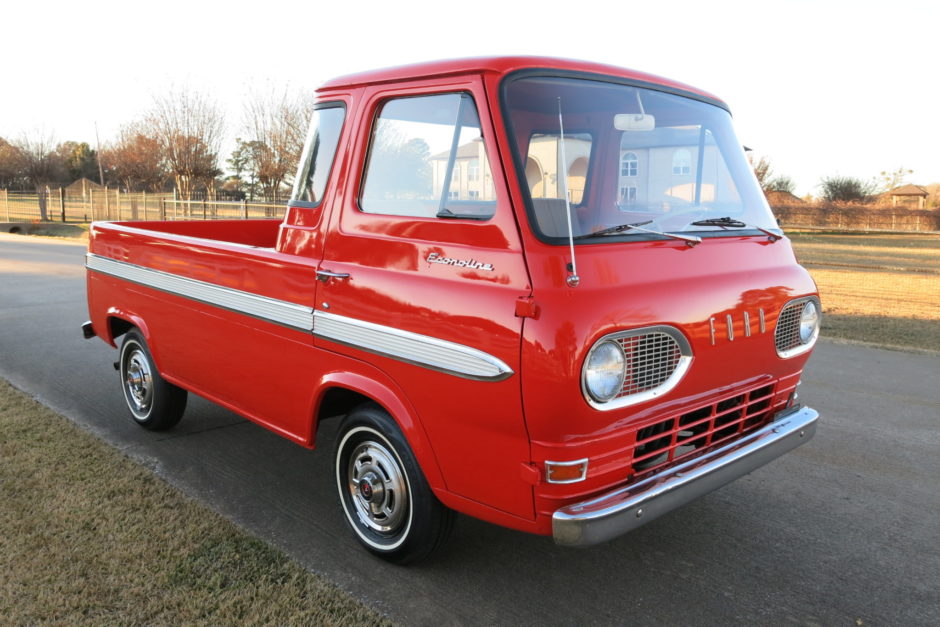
<point>844,528</point>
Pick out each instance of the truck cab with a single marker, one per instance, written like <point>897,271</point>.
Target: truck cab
<point>549,294</point>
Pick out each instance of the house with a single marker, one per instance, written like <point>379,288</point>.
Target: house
<point>910,196</point>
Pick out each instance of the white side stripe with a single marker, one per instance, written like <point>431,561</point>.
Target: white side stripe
<point>429,352</point>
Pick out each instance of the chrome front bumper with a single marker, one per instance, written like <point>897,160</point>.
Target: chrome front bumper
<point>615,513</point>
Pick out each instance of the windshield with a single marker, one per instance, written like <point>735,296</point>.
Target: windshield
<point>629,155</point>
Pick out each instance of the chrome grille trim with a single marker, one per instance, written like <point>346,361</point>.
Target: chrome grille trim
<point>657,358</point>
<point>787,332</point>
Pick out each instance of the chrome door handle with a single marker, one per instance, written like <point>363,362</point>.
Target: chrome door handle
<point>326,275</point>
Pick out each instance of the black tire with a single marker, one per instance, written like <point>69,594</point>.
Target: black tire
<point>383,493</point>
<point>153,402</point>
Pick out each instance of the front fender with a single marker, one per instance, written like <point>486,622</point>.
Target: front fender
<point>378,387</point>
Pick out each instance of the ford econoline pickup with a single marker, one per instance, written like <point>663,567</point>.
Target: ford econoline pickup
<point>544,293</point>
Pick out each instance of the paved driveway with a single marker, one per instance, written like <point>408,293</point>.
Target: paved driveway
<point>845,528</point>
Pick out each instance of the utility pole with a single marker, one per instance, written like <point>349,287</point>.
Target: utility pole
<point>98,156</point>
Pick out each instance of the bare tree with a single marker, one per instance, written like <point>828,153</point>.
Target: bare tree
<point>275,126</point>
<point>762,170</point>
<point>891,180</point>
<point>136,160</point>
<point>189,127</point>
<point>42,165</point>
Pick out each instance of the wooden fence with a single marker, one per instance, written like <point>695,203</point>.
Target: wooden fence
<point>109,204</point>
<point>859,217</point>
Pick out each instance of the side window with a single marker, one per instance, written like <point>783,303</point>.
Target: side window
<point>319,150</point>
<point>419,148</point>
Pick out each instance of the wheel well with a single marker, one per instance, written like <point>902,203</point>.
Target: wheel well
<point>339,402</point>
<point>118,327</point>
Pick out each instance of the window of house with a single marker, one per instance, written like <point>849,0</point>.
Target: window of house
<point>413,159</point>
<point>473,171</point>
<point>629,164</point>
<point>628,194</point>
<point>682,161</point>
<point>319,151</point>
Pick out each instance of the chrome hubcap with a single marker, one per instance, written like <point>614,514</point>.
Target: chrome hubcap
<point>378,488</point>
<point>138,382</point>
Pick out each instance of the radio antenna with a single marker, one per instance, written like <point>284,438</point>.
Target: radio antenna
<point>573,279</point>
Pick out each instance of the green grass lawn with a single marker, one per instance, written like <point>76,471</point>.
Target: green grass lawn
<point>89,536</point>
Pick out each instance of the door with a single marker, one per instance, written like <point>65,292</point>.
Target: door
<point>423,267</point>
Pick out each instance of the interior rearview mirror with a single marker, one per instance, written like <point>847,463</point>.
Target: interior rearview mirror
<point>634,122</point>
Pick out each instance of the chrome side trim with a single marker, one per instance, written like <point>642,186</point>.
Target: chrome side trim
<point>414,348</point>
<point>278,311</point>
<point>422,350</point>
<point>624,509</point>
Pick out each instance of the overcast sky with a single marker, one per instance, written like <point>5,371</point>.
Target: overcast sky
<point>820,87</point>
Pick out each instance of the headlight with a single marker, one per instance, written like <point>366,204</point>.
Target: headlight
<point>604,371</point>
<point>809,322</point>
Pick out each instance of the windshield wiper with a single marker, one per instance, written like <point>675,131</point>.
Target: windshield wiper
<point>612,229</point>
<point>729,222</point>
<point>691,240</point>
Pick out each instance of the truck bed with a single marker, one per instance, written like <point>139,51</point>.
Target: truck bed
<point>259,233</point>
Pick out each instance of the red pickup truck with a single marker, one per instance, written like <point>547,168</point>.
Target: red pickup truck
<point>548,294</point>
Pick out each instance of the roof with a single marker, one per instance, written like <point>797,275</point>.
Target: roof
<point>470,150</point>
<point>909,190</point>
<point>83,184</point>
<point>775,197</point>
<point>502,66</point>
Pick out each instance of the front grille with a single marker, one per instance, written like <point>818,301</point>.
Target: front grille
<point>787,334</point>
<point>668,440</point>
<point>651,360</point>
<point>655,360</point>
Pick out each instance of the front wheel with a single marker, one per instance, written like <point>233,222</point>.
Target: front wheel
<point>386,499</point>
<point>154,403</point>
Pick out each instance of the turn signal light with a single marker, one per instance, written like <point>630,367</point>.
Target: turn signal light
<point>566,472</point>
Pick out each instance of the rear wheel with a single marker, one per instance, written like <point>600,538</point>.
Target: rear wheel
<point>386,499</point>
<point>154,403</point>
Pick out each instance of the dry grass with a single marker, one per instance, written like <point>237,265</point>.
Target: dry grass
<point>88,536</point>
<point>876,287</point>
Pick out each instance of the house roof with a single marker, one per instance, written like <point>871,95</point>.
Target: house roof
<point>783,198</point>
<point>82,184</point>
<point>909,190</point>
<point>470,150</point>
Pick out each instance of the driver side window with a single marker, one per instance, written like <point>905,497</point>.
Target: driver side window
<point>427,158</point>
